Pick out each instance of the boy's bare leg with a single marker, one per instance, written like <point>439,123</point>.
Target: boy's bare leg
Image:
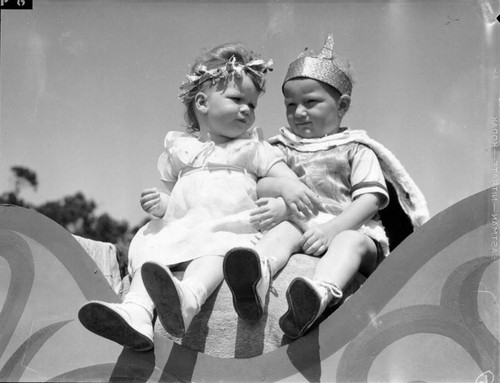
<point>307,299</point>
<point>348,253</point>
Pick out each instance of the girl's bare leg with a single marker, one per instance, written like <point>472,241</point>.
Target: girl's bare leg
<point>278,244</point>
<point>177,302</point>
<point>206,270</point>
<point>248,272</point>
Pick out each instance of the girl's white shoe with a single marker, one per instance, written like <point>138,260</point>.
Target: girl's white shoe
<point>307,300</point>
<point>128,324</point>
<point>176,302</point>
<point>249,278</point>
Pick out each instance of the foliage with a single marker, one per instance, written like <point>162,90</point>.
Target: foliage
<point>74,212</point>
<point>11,198</point>
<point>23,177</point>
<point>108,230</point>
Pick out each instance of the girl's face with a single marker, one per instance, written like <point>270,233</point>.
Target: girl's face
<point>313,110</point>
<point>230,108</point>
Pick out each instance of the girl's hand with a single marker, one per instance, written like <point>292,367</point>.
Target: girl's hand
<point>269,213</point>
<point>316,240</point>
<point>152,202</point>
<point>301,200</point>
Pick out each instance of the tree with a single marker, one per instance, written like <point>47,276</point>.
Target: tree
<point>77,214</point>
<point>23,177</point>
<point>74,212</point>
<point>108,229</point>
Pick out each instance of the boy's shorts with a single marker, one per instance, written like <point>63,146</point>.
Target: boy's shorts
<point>380,251</point>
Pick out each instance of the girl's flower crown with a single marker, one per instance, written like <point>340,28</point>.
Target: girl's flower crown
<point>257,68</point>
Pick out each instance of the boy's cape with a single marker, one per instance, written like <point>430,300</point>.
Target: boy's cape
<point>407,207</point>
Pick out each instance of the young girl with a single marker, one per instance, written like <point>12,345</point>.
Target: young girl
<point>209,176</point>
<point>342,167</point>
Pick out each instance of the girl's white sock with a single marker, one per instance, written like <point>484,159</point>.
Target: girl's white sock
<point>137,294</point>
<point>198,289</point>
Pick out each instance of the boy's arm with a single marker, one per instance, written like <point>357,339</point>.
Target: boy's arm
<point>361,210</point>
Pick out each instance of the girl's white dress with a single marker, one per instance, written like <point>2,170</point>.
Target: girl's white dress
<point>208,210</point>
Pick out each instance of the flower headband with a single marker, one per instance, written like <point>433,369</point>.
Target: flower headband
<point>257,67</point>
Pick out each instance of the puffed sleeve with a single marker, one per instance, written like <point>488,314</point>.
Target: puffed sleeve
<point>169,162</point>
<point>265,157</point>
<point>285,151</point>
<point>367,176</point>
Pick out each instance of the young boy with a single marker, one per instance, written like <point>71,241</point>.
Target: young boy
<point>342,167</point>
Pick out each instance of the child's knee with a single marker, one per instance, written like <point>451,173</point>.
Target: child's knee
<point>354,240</point>
<point>285,232</point>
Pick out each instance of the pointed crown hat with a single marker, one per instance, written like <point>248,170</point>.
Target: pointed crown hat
<point>321,67</point>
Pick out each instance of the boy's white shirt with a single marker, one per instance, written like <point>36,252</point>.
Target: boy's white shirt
<point>410,197</point>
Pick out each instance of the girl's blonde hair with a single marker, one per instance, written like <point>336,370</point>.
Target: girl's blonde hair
<point>216,58</point>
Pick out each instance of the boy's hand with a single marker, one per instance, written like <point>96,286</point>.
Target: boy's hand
<point>316,240</point>
<point>153,203</point>
<point>301,200</point>
<point>269,213</point>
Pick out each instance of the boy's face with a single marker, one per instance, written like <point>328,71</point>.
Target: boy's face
<point>230,108</point>
<point>312,109</point>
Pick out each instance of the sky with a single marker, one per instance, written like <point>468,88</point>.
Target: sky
<point>89,88</point>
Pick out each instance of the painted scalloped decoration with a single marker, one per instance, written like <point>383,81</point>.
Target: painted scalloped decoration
<point>430,312</point>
